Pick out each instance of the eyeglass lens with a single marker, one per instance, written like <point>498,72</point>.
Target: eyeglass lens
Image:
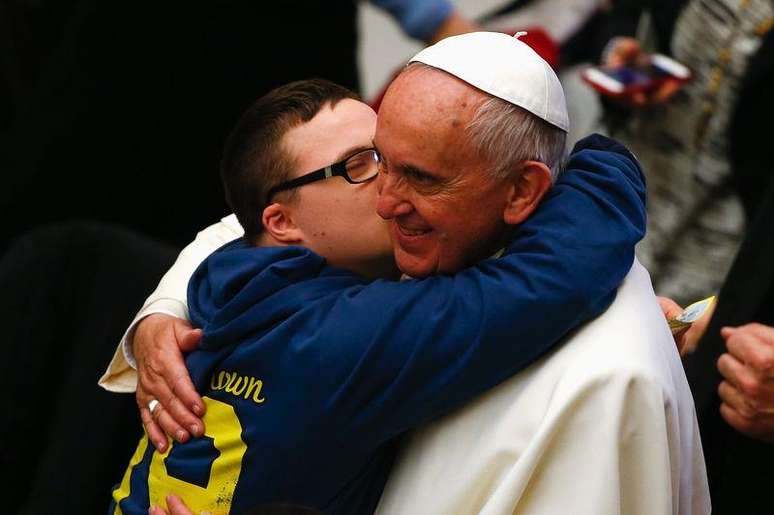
<point>362,166</point>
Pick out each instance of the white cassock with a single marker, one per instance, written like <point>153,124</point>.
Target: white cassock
<point>603,425</point>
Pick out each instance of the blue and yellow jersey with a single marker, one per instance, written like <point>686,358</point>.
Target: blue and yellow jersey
<point>310,374</point>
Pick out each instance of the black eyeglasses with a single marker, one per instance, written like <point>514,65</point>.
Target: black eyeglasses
<point>358,168</point>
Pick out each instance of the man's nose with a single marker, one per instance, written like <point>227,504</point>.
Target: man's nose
<point>390,203</point>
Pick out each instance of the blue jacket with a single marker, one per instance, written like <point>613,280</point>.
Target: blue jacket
<point>310,373</point>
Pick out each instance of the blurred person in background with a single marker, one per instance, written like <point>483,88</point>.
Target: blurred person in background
<point>705,162</point>
<point>706,150</point>
<point>732,378</point>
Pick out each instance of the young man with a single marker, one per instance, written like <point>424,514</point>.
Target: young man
<point>308,371</point>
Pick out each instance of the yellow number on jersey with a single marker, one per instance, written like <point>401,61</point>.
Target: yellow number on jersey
<point>223,426</point>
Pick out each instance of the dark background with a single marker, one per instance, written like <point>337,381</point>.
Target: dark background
<point>118,111</point>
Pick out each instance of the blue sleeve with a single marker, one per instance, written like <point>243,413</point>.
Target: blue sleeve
<point>420,19</point>
<point>403,353</point>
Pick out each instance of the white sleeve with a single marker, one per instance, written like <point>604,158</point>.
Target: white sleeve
<point>611,447</point>
<point>622,443</point>
<point>168,298</point>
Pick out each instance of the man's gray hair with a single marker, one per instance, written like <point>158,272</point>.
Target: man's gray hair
<point>507,135</point>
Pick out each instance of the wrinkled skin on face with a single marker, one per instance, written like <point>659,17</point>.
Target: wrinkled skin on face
<point>445,211</point>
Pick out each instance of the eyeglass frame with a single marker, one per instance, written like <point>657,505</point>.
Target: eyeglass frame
<point>338,169</point>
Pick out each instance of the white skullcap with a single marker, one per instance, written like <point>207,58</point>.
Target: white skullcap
<point>504,67</point>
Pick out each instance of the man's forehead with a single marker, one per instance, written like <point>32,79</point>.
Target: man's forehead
<point>431,137</point>
<point>433,87</point>
<point>428,102</point>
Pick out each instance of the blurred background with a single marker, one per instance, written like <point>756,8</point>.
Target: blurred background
<point>384,47</point>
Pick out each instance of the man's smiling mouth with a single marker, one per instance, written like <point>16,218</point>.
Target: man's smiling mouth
<point>406,231</point>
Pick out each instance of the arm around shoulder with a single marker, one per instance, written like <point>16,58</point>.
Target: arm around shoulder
<point>420,348</point>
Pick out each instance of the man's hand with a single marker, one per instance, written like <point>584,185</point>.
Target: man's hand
<point>623,51</point>
<point>176,507</point>
<point>158,345</point>
<point>686,339</point>
<point>747,394</point>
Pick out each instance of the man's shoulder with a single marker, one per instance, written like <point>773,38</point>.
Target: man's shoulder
<point>630,341</point>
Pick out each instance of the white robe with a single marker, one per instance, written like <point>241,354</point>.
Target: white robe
<point>603,425</point>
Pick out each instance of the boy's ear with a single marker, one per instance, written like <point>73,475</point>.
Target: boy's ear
<point>279,225</point>
<point>526,191</point>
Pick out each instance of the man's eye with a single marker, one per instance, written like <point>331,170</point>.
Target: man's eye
<point>420,177</point>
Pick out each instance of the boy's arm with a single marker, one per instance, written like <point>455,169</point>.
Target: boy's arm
<point>402,353</point>
<point>169,298</point>
<point>614,197</point>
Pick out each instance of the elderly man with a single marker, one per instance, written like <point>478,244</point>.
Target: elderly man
<point>444,216</point>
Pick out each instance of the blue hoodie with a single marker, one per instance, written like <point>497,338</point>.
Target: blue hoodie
<point>310,373</point>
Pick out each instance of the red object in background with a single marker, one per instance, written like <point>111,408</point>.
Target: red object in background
<point>537,38</point>
<point>626,81</point>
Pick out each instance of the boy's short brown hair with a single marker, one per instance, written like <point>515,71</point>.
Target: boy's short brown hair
<point>253,158</point>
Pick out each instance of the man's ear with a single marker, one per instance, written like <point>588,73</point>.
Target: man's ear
<point>279,225</point>
<point>526,192</point>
